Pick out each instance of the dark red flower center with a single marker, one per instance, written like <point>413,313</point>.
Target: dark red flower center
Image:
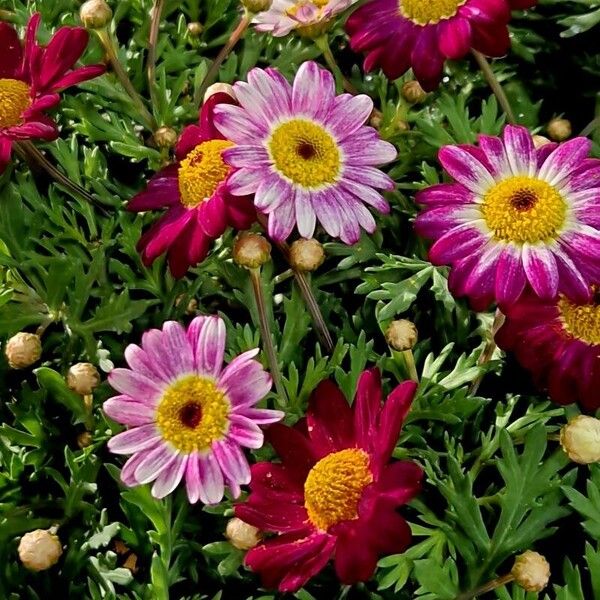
<point>306,150</point>
<point>191,414</point>
<point>523,200</point>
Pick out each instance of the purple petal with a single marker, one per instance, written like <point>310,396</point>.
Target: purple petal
<point>170,477</point>
<point>154,462</point>
<point>245,381</point>
<point>466,169</point>
<point>178,347</point>
<point>134,440</point>
<point>565,159</point>
<point>245,432</point>
<point>233,463</point>
<point>125,410</point>
<point>510,276</point>
<point>211,347</point>
<point>456,244</point>
<point>305,214</point>
<point>349,113</point>
<point>138,386</point>
<point>211,483</point>
<point>520,151</point>
<point>261,416</point>
<point>541,270</point>
<point>312,82</point>
<point>128,470</point>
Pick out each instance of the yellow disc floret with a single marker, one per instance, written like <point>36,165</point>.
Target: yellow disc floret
<point>425,12</point>
<point>524,209</point>
<point>305,153</point>
<point>14,100</point>
<point>201,171</point>
<point>334,487</point>
<point>581,321</point>
<point>193,413</point>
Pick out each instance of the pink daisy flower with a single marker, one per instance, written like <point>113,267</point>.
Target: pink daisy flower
<point>308,17</point>
<point>195,191</point>
<point>399,35</point>
<point>30,79</point>
<point>516,216</point>
<point>188,417</point>
<point>305,153</point>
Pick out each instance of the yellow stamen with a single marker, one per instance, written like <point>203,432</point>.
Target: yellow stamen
<point>581,321</point>
<point>201,171</point>
<point>305,153</point>
<point>425,12</point>
<point>193,413</point>
<point>334,487</point>
<point>14,101</point>
<point>524,209</point>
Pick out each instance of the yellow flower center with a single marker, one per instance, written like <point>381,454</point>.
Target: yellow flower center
<point>201,171</point>
<point>305,153</point>
<point>425,12</point>
<point>14,101</point>
<point>582,321</point>
<point>334,487</point>
<point>524,209</point>
<point>193,413</point>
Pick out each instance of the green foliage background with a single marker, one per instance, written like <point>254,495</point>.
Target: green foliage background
<point>497,482</point>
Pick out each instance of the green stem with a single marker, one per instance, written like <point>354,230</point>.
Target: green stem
<point>591,127</point>
<point>322,44</point>
<point>488,587</point>
<point>494,84</point>
<point>488,351</point>
<point>157,11</point>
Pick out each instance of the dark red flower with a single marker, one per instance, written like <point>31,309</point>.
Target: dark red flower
<point>195,191</point>
<point>559,343</point>
<point>31,77</point>
<point>334,495</point>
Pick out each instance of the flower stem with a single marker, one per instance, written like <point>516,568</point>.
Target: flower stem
<point>107,41</point>
<point>407,359</point>
<point>494,84</point>
<point>488,351</point>
<point>591,127</point>
<point>157,11</point>
<point>488,587</point>
<point>234,38</point>
<point>322,44</point>
<point>265,333</point>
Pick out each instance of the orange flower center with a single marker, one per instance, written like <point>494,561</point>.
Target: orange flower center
<point>334,487</point>
<point>14,101</point>
<point>201,171</point>
<point>582,321</point>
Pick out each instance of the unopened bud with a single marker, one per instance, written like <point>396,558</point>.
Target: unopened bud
<point>251,250</point>
<point>376,119</point>
<point>23,349</point>
<point>84,439</point>
<point>241,535</point>
<point>83,378</point>
<point>95,14</point>
<point>165,137</point>
<point>401,126</point>
<point>306,255</point>
<point>256,6</point>
<point>540,140</point>
<point>580,439</point>
<point>413,92</point>
<point>531,571</point>
<point>219,88</point>
<point>401,335</point>
<point>195,29</point>
<point>39,550</point>
<point>559,129</point>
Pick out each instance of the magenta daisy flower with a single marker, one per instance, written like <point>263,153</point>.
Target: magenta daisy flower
<point>30,79</point>
<point>305,153</point>
<point>516,216</point>
<point>195,191</point>
<point>559,343</point>
<point>188,417</point>
<point>399,34</point>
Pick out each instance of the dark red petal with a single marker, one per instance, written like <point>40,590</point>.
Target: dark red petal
<point>33,53</point>
<point>190,248</point>
<point>367,404</point>
<point>190,137</point>
<point>10,51</point>
<point>293,448</point>
<point>455,37</point>
<point>78,75</point>
<point>162,190</point>
<point>61,53</point>
<point>163,233</point>
<point>207,115</point>
<point>277,517</point>
<point>5,151</point>
<point>399,483</point>
<point>295,579</point>
<point>355,558</point>
<point>427,60</point>
<point>212,214</point>
<point>240,211</point>
<point>491,41</point>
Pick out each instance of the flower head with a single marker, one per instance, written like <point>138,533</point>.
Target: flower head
<point>188,417</point>
<point>334,493</point>
<point>307,17</point>
<point>195,191</point>
<point>515,215</point>
<point>39,550</point>
<point>305,153</point>
<point>559,343</point>
<point>399,34</point>
<point>31,78</point>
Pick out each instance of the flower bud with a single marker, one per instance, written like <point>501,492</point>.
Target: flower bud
<point>83,378</point>
<point>84,439</point>
<point>165,137</point>
<point>531,571</point>
<point>256,6</point>
<point>540,140</point>
<point>219,88</point>
<point>376,119</point>
<point>195,29</point>
<point>251,250</point>
<point>39,550</point>
<point>241,535</point>
<point>580,439</point>
<point>402,335</point>
<point>559,129</point>
<point>23,349</point>
<point>306,255</point>
<point>95,14</point>
<point>413,92</point>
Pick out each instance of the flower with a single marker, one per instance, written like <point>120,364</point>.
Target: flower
<point>305,153</point>
<point>559,343</point>
<point>39,550</point>
<point>334,494</point>
<point>399,34</point>
<point>23,350</point>
<point>515,215</point>
<point>531,571</point>
<point>580,439</point>
<point>188,417</point>
<point>83,378</point>
<point>195,190</point>
<point>30,79</point>
<point>309,17</point>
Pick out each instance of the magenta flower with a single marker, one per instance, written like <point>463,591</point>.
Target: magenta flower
<point>516,216</point>
<point>305,153</point>
<point>188,417</point>
<point>399,35</point>
<point>195,191</point>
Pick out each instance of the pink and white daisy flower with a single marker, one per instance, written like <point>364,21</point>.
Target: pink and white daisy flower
<point>516,215</point>
<point>305,153</point>
<point>187,416</point>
